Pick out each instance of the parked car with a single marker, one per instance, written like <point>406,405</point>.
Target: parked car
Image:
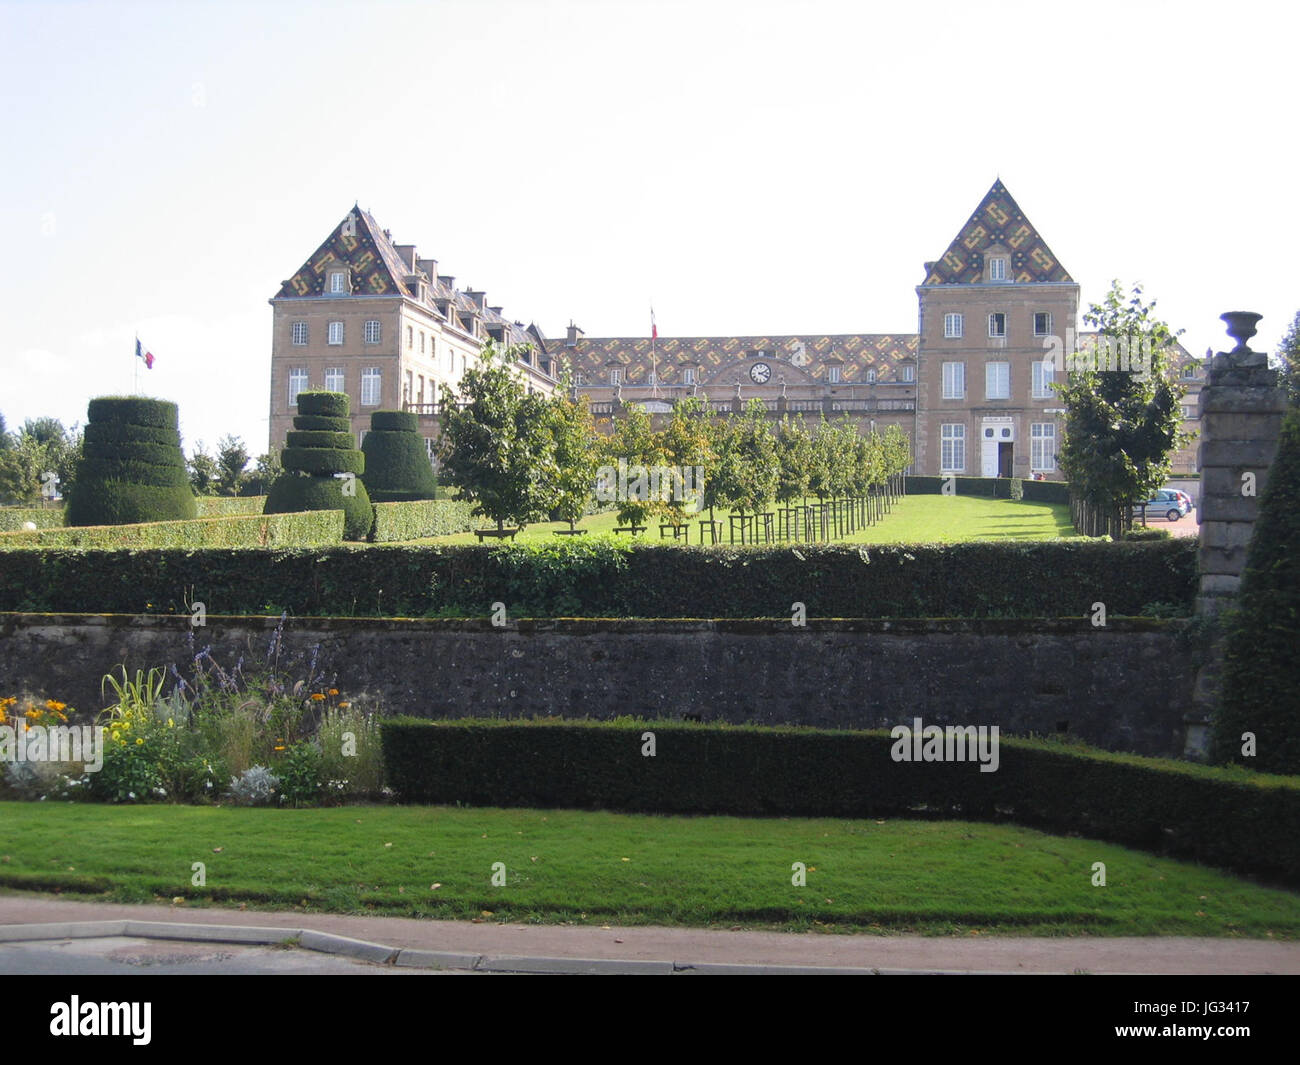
<point>1169,502</point>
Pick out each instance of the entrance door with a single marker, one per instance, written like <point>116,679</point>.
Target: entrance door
<point>988,453</point>
<point>1004,459</point>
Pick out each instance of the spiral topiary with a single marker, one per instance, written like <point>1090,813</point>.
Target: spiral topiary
<point>132,469</point>
<point>318,447</point>
<point>397,462</point>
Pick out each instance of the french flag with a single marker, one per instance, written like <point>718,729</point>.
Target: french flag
<point>140,353</point>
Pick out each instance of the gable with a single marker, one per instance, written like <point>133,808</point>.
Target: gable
<point>997,222</point>
<point>359,243</point>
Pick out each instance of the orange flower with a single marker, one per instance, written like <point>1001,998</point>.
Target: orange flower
<point>317,697</point>
<point>334,691</point>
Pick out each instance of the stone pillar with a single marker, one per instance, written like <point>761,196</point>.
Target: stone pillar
<point>1241,421</point>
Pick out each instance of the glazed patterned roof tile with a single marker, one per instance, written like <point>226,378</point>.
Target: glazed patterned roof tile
<point>855,353</point>
<point>998,220</point>
<point>357,241</point>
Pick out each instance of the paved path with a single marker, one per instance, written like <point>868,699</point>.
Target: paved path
<point>694,946</point>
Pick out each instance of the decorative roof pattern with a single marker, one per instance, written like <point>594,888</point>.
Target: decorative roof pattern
<point>855,353</point>
<point>997,221</point>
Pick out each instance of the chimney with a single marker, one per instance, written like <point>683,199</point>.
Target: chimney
<point>449,281</point>
<point>406,252</point>
<point>575,334</point>
<point>496,311</point>
<point>429,266</point>
<point>479,298</point>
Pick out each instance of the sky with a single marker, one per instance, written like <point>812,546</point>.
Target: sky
<point>748,168</point>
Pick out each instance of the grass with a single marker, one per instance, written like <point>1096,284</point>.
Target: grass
<point>914,519</point>
<point>934,877</point>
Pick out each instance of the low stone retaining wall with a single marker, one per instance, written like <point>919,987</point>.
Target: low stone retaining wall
<point>1124,687</point>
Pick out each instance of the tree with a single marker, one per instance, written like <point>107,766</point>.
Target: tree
<point>1122,418</point>
<point>748,468</point>
<point>633,449</point>
<point>576,455</point>
<point>6,442</point>
<point>1288,357</point>
<point>397,459</point>
<point>232,457</point>
<point>794,448</point>
<point>203,470</point>
<point>1261,670</point>
<point>685,445</point>
<point>132,469</point>
<point>322,470</point>
<point>264,474</point>
<point>496,443</point>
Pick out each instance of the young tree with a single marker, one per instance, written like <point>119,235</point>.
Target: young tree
<point>232,457</point>
<point>685,444</point>
<point>265,472</point>
<point>635,445</point>
<point>1122,419</point>
<point>1288,357</point>
<point>497,448</point>
<point>203,470</point>
<point>577,454</point>
<point>748,470</point>
<point>794,446</point>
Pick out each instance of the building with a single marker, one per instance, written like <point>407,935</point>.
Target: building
<point>371,318</point>
<point>970,387</point>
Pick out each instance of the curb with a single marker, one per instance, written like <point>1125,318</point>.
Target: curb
<point>379,954</point>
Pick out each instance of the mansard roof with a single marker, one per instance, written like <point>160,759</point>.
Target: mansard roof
<point>997,221</point>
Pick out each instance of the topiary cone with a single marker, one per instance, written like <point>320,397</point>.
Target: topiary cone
<point>397,461</point>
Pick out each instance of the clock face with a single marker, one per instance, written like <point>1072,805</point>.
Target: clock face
<point>759,373</point>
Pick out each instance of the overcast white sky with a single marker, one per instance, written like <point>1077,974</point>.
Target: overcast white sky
<point>750,167</point>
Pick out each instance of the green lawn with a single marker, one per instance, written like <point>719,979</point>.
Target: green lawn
<point>933,877</point>
<point>914,519</point>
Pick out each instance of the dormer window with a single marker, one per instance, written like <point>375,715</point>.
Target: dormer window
<point>614,376</point>
<point>338,282</point>
<point>833,375</point>
<point>1189,370</point>
<point>689,377</point>
<point>997,268</point>
<point>871,377</point>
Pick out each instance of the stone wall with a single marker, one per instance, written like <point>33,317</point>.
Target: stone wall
<point>1123,687</point>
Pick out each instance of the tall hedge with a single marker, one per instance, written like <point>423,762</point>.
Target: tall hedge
<point>397,462</point>
<point>317,448</point>
<point>132,469</point>
<point>1261,672</point>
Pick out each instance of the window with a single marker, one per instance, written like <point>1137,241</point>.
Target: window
<point>652,379</point>
<point>421,341</point>
<point>833,375</point>
<point>299,333</point>
<point>954,380</point>
<point>433,349</point>
<point>997,269</point>
<point>334,379</point>
<point>997,380</point>
<point>1187,411</point>
<point>1189,370</point>
<point>1041,379</point>
<point>871,377</point>
<point>909,373</point>
<point>410,387</point>
<point>577,378</point>
<point>373,332</point>
<point>419,396</point>
<point>338,282</point>
<point>952,325</point>
<point>336,333</point>
<point>613,377</point>
<point>952,448</point>
<point>410,338</point>
<point>1042,324</point>
<point>997,324</point>
<point>690,376</point>
<point>297,383</point>
<point>1042,446</point>
<point>370,390</point>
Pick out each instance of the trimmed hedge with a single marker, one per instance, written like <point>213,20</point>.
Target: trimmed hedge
<point>419,518</point>
<point>1229,818</point>
<point>323,404</point>
<point>318,438</point>
<point>131,470</point>
<point>12,518</point>
<point>1261,670</point>
<point>1147,534</point>
<point>397,460</point>
<point>308,482</point>
<point>324,424</point>
<point>216,506</point>
<point>601,578</point>
<point>319,527</point>
<point>992,488</point>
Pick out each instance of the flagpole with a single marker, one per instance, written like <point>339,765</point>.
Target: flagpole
<point>654,362</point>
<point>135,358</point>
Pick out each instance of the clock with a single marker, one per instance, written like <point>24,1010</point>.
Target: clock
<point>759,373</point>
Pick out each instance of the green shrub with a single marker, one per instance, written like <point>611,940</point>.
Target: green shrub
<point>397,460</point>
<point>1146,534</point>
<point>421,518</point>
<point>225,506</point>
<point>300,774</point>
<point>294,492</point>
<point>608,579</point>
<point>323,404</point>
<point>131,469</point>
<point>1017,489</point>
<point>1247,822</point>
<point>1261,670</point>
<point>12,519</point>
<point>352,764</point>
<point>248,530</point>
<point>323,423</point>
<point>308,482</point>
<point>297,438</point>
